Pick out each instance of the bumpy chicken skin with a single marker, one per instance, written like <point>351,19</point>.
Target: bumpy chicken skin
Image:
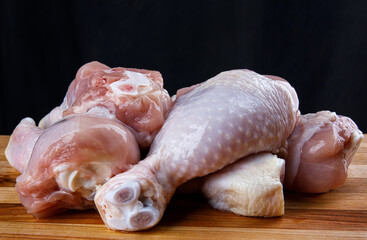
<point>232,115</point>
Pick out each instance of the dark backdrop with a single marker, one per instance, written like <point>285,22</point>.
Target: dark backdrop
<point>320,47</point>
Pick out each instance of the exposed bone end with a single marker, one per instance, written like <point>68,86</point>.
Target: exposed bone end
<point>131,201</point>
<point>124,195</point>
<point>145,219</point>
<point>141,219</point>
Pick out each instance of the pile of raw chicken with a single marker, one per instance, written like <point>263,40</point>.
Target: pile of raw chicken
<point>238,137</point>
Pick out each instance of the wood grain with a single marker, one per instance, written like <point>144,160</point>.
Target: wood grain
<point>339,214</point>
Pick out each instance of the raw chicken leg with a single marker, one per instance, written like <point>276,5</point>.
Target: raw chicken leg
<point>69,160</point>
<point>320,149</point>
<point>232,115</point>
<point>134,96</point>
<point>252,186</point>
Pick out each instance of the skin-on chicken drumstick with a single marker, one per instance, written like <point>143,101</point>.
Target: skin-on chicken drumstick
<point>232,115</point>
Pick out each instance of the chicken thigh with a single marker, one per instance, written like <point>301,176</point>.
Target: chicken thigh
<point>64,164</point>
<point>320,149</point>
<point>134,96</point>
<point>232,115</point>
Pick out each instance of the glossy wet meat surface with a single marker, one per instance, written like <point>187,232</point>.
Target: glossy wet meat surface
<point>232,115</point>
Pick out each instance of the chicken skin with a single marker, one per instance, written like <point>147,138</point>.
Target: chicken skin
<point>231,115</point>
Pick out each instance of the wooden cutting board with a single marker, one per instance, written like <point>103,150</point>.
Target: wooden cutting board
<point>339,214</point>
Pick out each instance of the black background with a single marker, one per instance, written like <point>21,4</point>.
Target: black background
<point>320,47</point>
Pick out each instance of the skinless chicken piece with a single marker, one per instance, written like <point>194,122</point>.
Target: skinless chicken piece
<point>21,143</point>
<point>68,161</point>
<point>320,149</point>
<point>232,115</point>
<point>252,186</point>
<point>133,96</point>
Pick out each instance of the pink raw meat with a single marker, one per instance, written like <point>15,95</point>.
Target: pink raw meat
<point>134,96</point>
<point>232,115</point>
<point>64,164</point>
<point>21,143</point>
<point>320,149</point>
